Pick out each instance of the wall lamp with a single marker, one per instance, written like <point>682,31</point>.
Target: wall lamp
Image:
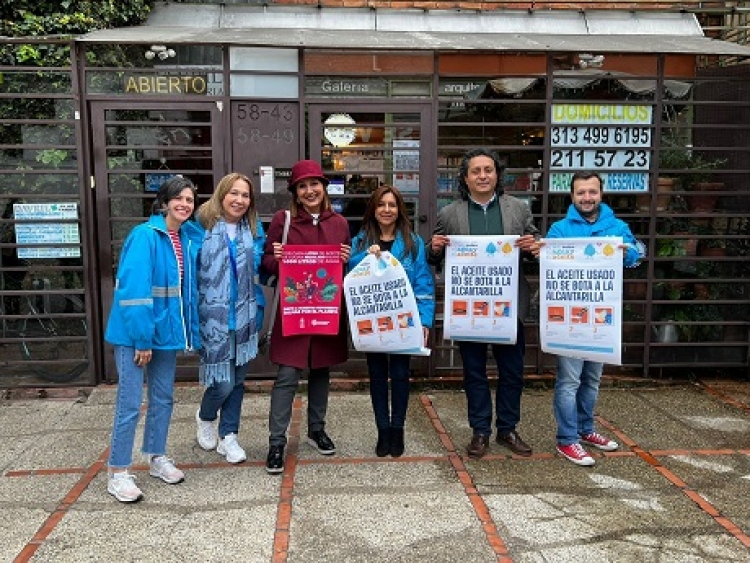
<point>343,134</point>
<point>160,51</point>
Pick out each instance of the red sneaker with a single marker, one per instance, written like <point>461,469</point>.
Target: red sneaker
<point>576,454</point>
<point>599,441</point>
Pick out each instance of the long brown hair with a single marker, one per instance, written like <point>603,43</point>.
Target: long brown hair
<point>212,210</point>
<point>371,227</point>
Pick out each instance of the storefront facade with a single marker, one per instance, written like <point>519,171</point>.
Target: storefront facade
<point>380,97</point>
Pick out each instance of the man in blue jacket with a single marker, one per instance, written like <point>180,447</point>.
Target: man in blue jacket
<point>577,382</point>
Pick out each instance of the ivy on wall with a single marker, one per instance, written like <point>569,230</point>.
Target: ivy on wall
<point>65,18</point>
<point>35,22</point>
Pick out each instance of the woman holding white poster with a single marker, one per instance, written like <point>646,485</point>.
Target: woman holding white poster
<point>386,227</point>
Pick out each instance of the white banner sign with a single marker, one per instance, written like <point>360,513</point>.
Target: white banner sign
<point>383,314</point>
<point>603,136</point>
<point>581,298</point>
<point>481,289</point>
<point>600,159</point>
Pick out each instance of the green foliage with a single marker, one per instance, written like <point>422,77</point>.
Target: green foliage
<point>704,314</point>
<point>692,165</point>
<point>27,54</point>
<point>66,18</point>
<point>52,157</point>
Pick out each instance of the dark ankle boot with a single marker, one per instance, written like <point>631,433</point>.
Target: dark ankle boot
<point>383,447</point>
<point>397,442</point>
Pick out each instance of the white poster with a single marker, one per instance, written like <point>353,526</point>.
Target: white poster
<point>581,298</point>
<point>383,314</point>
<point>406,165</point>
<point>481,289</point>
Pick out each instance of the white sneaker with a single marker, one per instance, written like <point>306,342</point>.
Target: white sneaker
<point>121,485</point>
<point>206,433</point>
<point>162,467</point>
<point>229,448</point>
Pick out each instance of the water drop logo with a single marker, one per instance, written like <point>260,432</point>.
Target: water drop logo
<point>507,248</point>
<point>589,251</point>
<point>491,249</point>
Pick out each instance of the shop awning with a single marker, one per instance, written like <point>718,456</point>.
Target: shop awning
<point>416,30</point>
<point>579,79</point>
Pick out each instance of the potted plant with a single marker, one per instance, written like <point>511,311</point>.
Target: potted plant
<point>702,181</point>
<point>682,243</point>
<point>712,247</point>
<point>673,159</point>
<point>692,169</point>
<point>711,240</point>
<point>694,322</point>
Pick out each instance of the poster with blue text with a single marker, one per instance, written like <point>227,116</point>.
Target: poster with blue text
<point>481,289</point>
<point>580,288</point>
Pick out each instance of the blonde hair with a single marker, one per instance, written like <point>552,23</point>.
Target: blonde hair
<point>211,211</point>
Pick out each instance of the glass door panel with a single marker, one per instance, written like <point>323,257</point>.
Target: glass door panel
<point>363,147</point>
<point>137,147</point>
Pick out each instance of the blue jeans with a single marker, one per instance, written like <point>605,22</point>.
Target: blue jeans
<point>509,359</point>
<point>225,397</point>
<point>379,366</point>
<point>576,390</point>
<point>159,373</point>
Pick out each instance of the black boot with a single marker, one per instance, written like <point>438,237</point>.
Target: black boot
<point>397,442</point>
<point>383,447</point>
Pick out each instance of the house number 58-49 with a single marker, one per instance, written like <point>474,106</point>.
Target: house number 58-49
<point>257,135</point>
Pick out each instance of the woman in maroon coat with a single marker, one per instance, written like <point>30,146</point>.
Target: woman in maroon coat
<point>312,222</point>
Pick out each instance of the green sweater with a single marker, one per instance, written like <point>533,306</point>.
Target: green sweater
<point>487,221</point>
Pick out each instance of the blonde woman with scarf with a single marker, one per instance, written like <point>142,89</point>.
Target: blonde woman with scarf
<point>230,308</point>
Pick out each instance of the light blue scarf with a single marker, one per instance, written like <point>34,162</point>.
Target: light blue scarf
<point>214,298</point>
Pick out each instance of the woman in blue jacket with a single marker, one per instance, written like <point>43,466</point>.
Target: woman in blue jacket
<point>230,310</point>
<point>154,315</point>
<point>386,226</point>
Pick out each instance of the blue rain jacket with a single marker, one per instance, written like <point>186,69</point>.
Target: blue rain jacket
<point>151,308</point>
<point>606,225</point>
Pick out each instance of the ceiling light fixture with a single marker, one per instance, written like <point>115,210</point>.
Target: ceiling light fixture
<point>161,51</point>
